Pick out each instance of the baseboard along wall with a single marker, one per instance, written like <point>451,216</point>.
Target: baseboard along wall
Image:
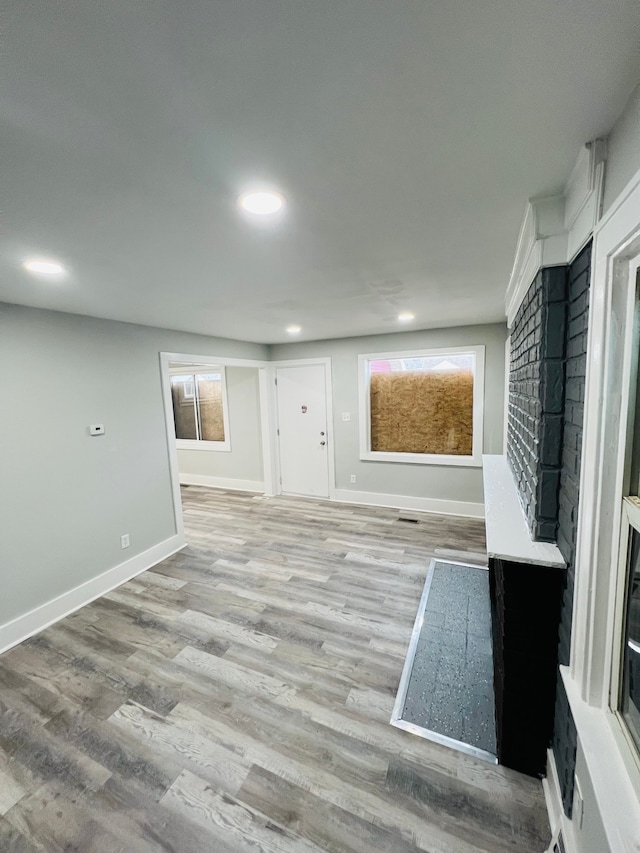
<point>36,620</point>
<point>222,483</point>
<point>443,507</point>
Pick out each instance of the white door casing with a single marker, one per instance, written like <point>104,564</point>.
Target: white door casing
<point>303,439</point>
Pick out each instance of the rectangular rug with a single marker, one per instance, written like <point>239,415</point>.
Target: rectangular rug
<point>446,690</point>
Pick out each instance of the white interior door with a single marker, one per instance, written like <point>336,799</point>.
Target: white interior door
<point>302,426</point>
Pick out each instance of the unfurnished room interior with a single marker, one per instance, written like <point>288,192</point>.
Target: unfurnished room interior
<point>320,456</point>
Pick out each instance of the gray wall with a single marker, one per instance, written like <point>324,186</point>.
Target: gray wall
<point>430,481</point>
<point>623,150</point>
<point>244,461</point>
<point>66,498</point>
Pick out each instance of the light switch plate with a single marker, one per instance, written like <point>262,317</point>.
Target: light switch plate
<point>96,429</point>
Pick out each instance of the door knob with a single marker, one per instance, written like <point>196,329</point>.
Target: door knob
<point>321,433</point>
<point>323,442</point>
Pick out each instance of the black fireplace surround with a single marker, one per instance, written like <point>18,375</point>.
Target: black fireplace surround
<point>532,606</point>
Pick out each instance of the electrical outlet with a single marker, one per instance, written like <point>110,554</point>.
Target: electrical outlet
<point>124,540</point>
<point>353,478</point>
<point>346,416</point>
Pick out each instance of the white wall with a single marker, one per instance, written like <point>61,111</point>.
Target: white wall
<point>66,497</point>
<point>244,462</point>
<point>623,150</point>
<point>441,482</point>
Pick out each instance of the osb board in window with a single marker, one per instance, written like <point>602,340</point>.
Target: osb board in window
<point>211,418</point>
<point>183,412</point>
<point>422,412</point>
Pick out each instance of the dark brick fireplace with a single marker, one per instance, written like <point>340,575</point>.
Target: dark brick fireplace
<point>532,605</point>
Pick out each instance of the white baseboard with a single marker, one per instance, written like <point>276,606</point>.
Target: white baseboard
<point>222,483</point>
<point>36,620</point>
<point>464,508</point>
<point>555,810</point>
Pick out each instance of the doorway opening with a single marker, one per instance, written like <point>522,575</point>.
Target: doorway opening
<point>218,425</point>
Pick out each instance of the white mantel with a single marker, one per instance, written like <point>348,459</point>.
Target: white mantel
<point>508,536</point>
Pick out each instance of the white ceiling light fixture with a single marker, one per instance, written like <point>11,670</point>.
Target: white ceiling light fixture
<point>406,317</point>
<point>294,330</point>
<point>262,203</point>
<point>45,267</point>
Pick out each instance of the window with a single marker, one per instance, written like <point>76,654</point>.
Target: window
<point>626,681</point>
<point>200,408</point>
<point>422,407</point>
<point>629,699</point>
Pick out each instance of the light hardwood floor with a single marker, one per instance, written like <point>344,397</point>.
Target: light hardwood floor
<point>237,697</point>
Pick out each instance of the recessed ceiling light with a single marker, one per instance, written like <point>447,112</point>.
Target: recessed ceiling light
<point>261,203</point>
<point>294,330</point>
<point>44,266</point>
<point>406,317</point>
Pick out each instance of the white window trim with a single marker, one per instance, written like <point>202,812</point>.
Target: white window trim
<point>630,521</point>
<point>590,681</point>
<point>197,444</point>
<point>364,410</point>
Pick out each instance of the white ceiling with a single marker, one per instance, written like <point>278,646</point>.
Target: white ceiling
<point>405,134</point>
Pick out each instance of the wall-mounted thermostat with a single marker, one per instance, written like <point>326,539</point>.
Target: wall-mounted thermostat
<point>96,429</point>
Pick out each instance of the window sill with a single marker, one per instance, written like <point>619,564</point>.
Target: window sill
<point>188,444</point>
<point>422,459</point>
<point>613,785</point>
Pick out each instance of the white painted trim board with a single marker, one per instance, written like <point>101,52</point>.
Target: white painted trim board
<point>555,810</point>
<point>36,620</point>
<point>419,504</point>
<point>222,483</point>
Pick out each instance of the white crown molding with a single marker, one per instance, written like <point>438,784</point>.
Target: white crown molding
<point>583,195</point>
<point>555,228</point>
<point>36,620</point>
<point>542,243</point>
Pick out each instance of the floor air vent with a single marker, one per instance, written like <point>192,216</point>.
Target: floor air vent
<point>409,520</point>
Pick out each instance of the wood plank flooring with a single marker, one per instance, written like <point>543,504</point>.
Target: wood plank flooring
<point>237,697</point>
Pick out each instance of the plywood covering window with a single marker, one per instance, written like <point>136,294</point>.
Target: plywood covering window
<point>423,406</point>
<point>200,409</point>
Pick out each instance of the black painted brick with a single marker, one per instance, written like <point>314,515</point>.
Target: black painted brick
<point>546,412</point>
<point>536,398</point>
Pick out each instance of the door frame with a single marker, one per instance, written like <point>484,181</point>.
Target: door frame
<point>273,415</point>
<point>265,420</point>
